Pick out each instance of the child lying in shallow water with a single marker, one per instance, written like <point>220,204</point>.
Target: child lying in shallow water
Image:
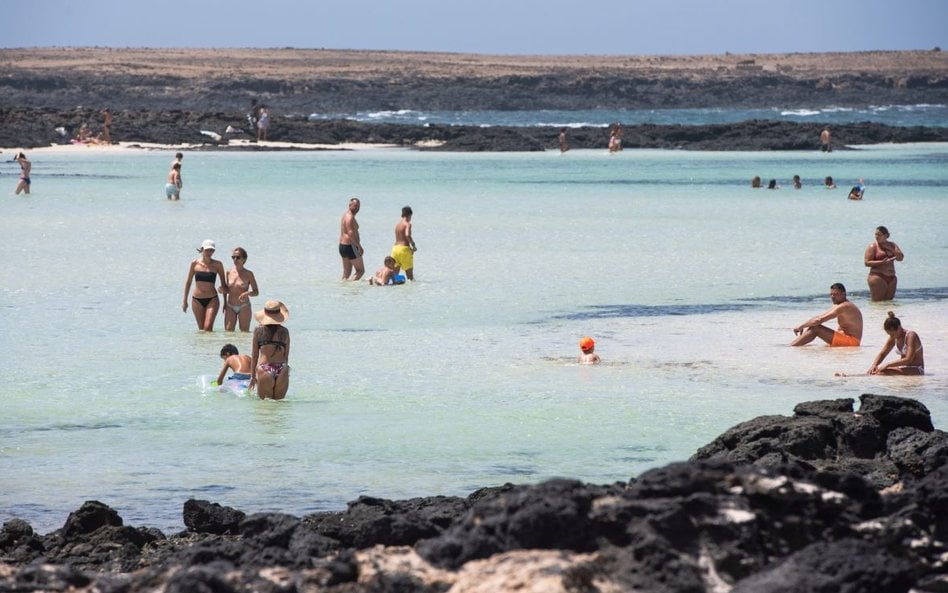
<point>386,274</point>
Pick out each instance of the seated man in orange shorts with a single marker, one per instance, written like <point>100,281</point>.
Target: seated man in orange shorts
<point>847,315</point>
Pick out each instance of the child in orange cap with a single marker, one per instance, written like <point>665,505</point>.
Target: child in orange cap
<point>588,347</point>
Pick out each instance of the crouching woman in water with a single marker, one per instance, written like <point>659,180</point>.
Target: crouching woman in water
<point>907,344</point>
<point>271,352</point>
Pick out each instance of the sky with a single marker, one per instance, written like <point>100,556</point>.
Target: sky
<point>596,27</point>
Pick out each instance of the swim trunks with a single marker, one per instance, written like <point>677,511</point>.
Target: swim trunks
<point>403,256</point>
<point>841,339</point>
<point>171,190</point>
<point>348,252</point>
<point>239,377</point>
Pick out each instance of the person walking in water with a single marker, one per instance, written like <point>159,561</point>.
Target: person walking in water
<point>847,315</point>
<point>203,272</point>
<point>241,285</point>
<point>271,352</point>
<point>826,140</point>
<point>404,250</point>
<point>25,167</point>
<point>909,346</point>
<point>350,244</point>
<point>880,258</point>
<point>173,184</point>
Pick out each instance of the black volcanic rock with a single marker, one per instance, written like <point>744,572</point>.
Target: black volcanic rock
<point>776,504</point>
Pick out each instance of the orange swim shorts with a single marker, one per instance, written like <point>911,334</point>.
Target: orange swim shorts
<point>841,339</point>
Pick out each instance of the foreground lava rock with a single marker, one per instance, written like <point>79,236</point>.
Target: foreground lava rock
<point>830,499</point>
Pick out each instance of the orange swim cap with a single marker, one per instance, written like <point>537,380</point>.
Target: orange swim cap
<point>587,343</point>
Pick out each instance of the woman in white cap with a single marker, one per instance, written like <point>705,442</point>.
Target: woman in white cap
<point>204,302</point>
<point>271,352</point>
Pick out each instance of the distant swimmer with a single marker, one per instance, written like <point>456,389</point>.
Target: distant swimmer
<point>271,352</point>
<point>847,315</point>
<point>241,285</point>
<point>350,244</point>
<point>828,183</point>
<point>880,258</point>
<point>773,184</point>
<point>173,184</point>
<point>909,347</point>
<point>826,140</point>
<point>404,249</point>
<point>797,184</point>
<point>587,354</point>
<point>239,363</point>
<point>386,275</point>
<point>857,191</point>
<point>564,144</point>
<point>755,182</point>
<point>25,167</point>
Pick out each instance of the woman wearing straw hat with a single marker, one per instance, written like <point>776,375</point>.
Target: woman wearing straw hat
<point>271,352</point>
<point>203,272</point>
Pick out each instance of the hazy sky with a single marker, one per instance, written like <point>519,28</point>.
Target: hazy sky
<point>485,26</point>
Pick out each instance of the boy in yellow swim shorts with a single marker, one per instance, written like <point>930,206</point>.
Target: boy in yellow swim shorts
<point>404,250</point>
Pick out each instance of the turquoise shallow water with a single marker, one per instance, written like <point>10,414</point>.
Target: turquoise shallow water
<point>688,279</point>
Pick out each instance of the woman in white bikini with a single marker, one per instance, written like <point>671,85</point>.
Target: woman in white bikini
<point>909,347</point>
<point>241,285</point>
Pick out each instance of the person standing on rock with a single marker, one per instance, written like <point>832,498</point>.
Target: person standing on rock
<point>826,140</point>
<point>107,126</point>
<point>25,167</point>
<point>564,144</point>
<point>404,250</point>
<point>350,244</point>
<point>847,315</point>
<point>263,124</point>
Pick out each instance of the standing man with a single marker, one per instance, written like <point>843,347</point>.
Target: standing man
<point>404,250</point>
<point>107,126</point>
<point>847,315</point>
<point>826,140</point>
<point>564,143</point>
<point>350,245</point>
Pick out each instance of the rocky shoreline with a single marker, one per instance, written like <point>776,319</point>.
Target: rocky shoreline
<point>168,96</point>
<point>26,127</point>
<point>829,499</point>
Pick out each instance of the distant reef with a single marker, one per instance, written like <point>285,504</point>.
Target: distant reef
<point>169,95</point>
<point>830,499</point>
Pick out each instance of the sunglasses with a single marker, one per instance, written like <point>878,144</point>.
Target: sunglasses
<point>236,257</point>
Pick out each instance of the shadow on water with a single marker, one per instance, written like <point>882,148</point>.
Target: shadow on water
<point>633,310</point>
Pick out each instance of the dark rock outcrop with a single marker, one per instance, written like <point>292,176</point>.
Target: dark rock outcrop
<point>826,500</point>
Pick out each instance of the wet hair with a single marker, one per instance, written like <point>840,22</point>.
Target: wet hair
<point>838,286</point>
<point>828,180</point>
<point>884,231</point>
<point>179,155</point>
<point>228,350</point>
<point>176,166</point>
<point>892,322</point>
<point>406,211</point>
<point>755,182</point>
<point>242,252</point>
<point>772,184</point>
<point>19,155</point>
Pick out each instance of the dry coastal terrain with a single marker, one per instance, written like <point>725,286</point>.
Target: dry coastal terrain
<point>164,95</point>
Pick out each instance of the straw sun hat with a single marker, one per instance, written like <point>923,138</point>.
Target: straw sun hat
<point>273,313</point>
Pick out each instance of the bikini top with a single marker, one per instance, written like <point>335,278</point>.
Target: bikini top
<point>269,341</point>
<point>205,276</point>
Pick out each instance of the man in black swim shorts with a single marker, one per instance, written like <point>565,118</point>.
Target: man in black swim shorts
<point>350,245</point>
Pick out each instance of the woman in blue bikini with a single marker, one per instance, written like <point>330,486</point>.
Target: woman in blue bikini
<point>271,352</point>
<point>203,272</point>
<point>241,285</point>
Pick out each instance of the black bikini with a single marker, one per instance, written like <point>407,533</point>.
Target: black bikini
<point>204,301</point>
<point>205,277</point>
